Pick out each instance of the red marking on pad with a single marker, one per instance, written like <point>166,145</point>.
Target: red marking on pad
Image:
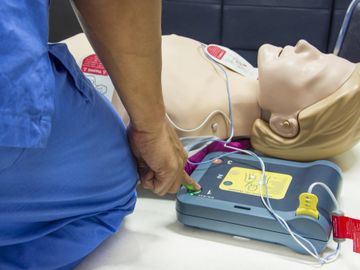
<point>216,51</point>
<point>92,64</point>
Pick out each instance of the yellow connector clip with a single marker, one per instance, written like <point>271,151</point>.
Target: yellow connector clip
<point>308,205</point>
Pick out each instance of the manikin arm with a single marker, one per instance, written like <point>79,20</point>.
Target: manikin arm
<point>126,35</point>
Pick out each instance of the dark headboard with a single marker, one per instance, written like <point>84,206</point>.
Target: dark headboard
<point>242,25</point>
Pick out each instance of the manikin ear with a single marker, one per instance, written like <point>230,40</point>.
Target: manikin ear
<point>287,127</point>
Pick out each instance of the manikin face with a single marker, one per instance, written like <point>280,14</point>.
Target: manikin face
<point>295,77</point>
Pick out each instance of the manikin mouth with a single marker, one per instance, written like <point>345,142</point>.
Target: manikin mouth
<point>280,52</point>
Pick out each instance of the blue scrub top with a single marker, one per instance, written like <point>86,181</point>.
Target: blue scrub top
<point>59,202</point>
<point>26,77</point>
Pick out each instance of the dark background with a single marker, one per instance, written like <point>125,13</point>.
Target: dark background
<point>243,25</point>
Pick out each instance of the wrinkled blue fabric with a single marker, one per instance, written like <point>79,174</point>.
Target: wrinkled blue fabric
<point>58,203</point>
<point>62,193</point>
<point>26,85</point>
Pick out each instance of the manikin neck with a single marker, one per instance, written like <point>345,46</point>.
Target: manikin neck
<point>245,106</point>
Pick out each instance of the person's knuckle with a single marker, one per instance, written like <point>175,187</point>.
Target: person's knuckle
<point>172,166</point>
<point>173,190</point>
<point>158,191</point>
<point>167,163</point>
<point>163,192</point>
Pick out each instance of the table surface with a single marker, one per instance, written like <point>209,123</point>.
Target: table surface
<point>152,238</point>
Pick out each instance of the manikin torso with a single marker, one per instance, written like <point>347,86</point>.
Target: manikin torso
<point>194,87</point>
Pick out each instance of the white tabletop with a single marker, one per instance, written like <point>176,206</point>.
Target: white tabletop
<point>152,238</point>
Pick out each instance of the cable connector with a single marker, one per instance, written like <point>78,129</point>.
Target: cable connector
<point>336,226</point>
<point>308,205</point>
<point>346,228</point>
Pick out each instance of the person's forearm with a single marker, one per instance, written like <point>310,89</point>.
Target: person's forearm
<point>126,35</point>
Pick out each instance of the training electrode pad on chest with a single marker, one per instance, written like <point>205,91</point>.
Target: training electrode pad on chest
<point>194,88</point>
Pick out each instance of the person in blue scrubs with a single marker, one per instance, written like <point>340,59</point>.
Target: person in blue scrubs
<point>67,170</point>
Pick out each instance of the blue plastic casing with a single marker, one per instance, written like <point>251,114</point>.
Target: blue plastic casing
<point>244,215</point>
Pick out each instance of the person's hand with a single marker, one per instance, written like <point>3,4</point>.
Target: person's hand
<point>160,159</point>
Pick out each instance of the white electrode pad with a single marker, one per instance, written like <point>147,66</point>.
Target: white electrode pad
<point>94,70</point>
<point>231,60</point>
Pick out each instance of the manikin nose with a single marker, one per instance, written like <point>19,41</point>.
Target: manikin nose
<point>302,46</point>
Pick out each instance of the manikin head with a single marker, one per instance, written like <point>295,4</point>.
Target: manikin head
<point>313,100</point>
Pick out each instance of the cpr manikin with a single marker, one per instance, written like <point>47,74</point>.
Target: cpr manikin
<point>304,105</point>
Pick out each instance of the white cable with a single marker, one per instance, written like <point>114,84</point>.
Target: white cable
<point>297,238</point>
<point>202,123</point>
<point>191,143</point>
<point>335,254</point>
<point>268,206</point>
<point>228,118</point>
<point>337,208</point>
<point>227,91</point>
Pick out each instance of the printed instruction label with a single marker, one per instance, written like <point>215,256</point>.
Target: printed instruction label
<point>246,181</point>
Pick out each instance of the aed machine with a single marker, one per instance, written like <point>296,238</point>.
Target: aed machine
<point>230,202</point>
